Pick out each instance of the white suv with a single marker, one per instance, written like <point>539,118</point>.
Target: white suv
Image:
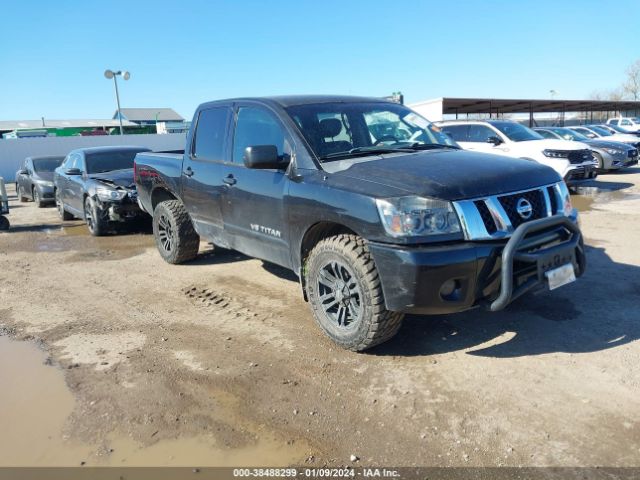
<point>574,161</point>
<point>629,124</point>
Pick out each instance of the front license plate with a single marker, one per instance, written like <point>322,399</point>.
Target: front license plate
<point>560,276</point>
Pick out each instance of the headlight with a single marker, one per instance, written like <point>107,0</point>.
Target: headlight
<point>417,216</point>
<point>613,151</point>
<point>108,195</point>
<point>567,207</point>
<point>555,153</point>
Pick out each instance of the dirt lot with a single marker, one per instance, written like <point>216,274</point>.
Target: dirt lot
<point>219,362</point>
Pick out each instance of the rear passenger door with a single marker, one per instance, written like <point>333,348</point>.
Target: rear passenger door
<point>202,172</point>
<point>253,200</point>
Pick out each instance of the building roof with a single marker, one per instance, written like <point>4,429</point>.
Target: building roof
<point>503,105</point>
<point>10,125</point>
<point>149,115</point>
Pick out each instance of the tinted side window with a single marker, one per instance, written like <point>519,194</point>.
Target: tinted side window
<point>625,122</point>
<point>480,133</point>
<point>256,126</point>
<point>77,162</point>
<point>457,132</point>
<point>210,134</point>
<point>614,122</point>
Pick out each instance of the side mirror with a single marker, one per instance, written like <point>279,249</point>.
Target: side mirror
<point>73,171</point>
<point>263,157</point>
<point>494,140</point>
<point>22,172</point>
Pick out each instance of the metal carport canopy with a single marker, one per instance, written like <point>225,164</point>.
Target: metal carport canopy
<point>501,105</point>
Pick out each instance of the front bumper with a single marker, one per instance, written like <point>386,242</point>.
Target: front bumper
<point>46,192</point>
<point>126,210</point>
<point>579,174</point>
<point>456,277</point>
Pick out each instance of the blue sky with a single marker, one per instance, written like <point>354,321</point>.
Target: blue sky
<point>181,53</point>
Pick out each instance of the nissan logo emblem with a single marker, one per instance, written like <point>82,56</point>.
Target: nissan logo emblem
<point>524,208</point>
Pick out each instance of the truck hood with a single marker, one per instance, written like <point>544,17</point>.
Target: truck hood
<point>445,174</point>
<point>117,178</point>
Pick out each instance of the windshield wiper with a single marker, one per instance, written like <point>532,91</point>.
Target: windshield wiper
<point>373,150</point>
<point>431,146</point>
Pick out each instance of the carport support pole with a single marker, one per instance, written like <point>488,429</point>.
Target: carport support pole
<point>115,83</point>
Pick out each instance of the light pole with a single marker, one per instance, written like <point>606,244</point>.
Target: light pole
<point>109,74</point>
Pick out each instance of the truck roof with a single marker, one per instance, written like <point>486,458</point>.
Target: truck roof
<point>291,100</point>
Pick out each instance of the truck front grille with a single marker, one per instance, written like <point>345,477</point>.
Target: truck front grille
<point>535,199</point>
<point>497,216</point>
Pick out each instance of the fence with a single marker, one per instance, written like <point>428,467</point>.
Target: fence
<point>13,151</point>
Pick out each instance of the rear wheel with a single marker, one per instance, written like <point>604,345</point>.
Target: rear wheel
<point>4,223</point>
<point>346,296</point>
<point>96,223</point>
<point>176,239</point>
<point>64,215</point>
<point>36,198</point>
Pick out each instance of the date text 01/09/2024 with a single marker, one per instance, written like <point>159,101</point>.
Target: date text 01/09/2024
<point>316,472</point>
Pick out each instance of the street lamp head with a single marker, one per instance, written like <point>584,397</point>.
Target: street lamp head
<point>126,75</point>
<point>108,74</point>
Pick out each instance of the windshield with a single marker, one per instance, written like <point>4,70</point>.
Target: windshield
<point>600,131</point>
<point>108,161</point>
<point>336,130</point>
<point>516,132</point>
<point>47,164</point>
<point>568,134</point>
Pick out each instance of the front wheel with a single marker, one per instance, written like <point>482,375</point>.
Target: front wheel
<point>345,294</point>
<point>96,223</point>
<point>36,198</point>
<point>176,239</point>
<point>64,215</point>
<point>599,160</point>
<point>21,195</point>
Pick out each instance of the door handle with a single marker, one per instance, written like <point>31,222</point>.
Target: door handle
<point>188,172</point>
<point>229,180</point>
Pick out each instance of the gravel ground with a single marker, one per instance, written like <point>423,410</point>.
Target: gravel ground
<point>225,349</point>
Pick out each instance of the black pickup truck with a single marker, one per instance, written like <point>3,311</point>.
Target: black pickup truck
<point>376,210</point>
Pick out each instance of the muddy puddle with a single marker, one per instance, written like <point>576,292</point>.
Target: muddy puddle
<point>76,238</point>
<point>589,198</point>
<point>34,407</point>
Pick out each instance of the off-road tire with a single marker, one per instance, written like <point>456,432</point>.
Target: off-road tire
<point>95,220</point>
<point>171,223</point>
<point>4,223</point>
<point>36,198</point>
<point>64,215</point>
<point>376,324</point>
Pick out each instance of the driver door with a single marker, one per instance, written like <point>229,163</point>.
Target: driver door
<point>253,200</point>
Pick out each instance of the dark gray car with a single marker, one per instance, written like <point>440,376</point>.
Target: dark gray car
<point>34,180</point>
